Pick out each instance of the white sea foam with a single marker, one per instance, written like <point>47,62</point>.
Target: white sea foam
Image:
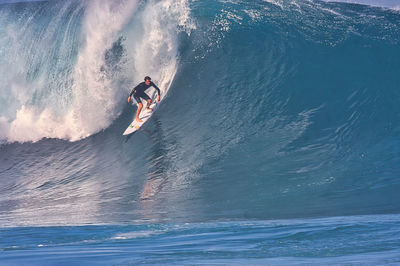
<point>379,3</point>
<point>155,52</point>
<point>136,234</point>
<point>95,94</point>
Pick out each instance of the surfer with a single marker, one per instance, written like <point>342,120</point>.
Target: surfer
<point>139,92</point>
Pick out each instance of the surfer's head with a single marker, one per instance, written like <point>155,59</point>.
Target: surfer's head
<point>147,80</point>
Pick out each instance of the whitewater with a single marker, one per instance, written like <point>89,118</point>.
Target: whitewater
<point>276,140</point>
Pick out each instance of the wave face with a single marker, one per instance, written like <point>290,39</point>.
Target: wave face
<point>275,109</point>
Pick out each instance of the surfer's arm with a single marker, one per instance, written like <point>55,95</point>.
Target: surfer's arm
<point>158,91</point>
<point>132,92</point>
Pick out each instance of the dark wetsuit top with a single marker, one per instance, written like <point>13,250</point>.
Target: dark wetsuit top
<point>139,91</point>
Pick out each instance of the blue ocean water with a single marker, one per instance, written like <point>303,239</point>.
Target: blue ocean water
<point>276,141</point>
<point>337,240</point>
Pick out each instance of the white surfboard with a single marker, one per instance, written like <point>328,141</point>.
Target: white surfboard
<point>144,116</point>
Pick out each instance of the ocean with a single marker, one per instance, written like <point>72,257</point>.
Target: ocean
<point>277,140</point>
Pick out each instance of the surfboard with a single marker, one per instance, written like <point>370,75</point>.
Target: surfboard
<point>144,116</point>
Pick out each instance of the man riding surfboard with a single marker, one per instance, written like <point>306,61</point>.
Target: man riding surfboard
<point>139,92</point>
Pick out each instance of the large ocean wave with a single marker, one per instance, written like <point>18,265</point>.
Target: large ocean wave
<point>270,109</point>
<point>276,141</point>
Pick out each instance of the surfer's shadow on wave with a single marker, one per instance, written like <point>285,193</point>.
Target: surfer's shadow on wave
<point>156,176</point>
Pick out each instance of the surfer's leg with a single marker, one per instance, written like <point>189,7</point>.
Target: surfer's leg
<point>137,98</point>
<point>148,105</point>
<point>140,105</point>
<point>148,99</point>
<point>138,112</point>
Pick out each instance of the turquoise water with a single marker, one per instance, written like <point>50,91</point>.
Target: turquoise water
<point>276,141</point>
<point>340,240</point>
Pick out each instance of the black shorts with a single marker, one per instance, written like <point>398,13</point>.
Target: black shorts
<point>138,95</point>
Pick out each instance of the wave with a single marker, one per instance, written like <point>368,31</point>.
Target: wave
<point>271,109</point>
